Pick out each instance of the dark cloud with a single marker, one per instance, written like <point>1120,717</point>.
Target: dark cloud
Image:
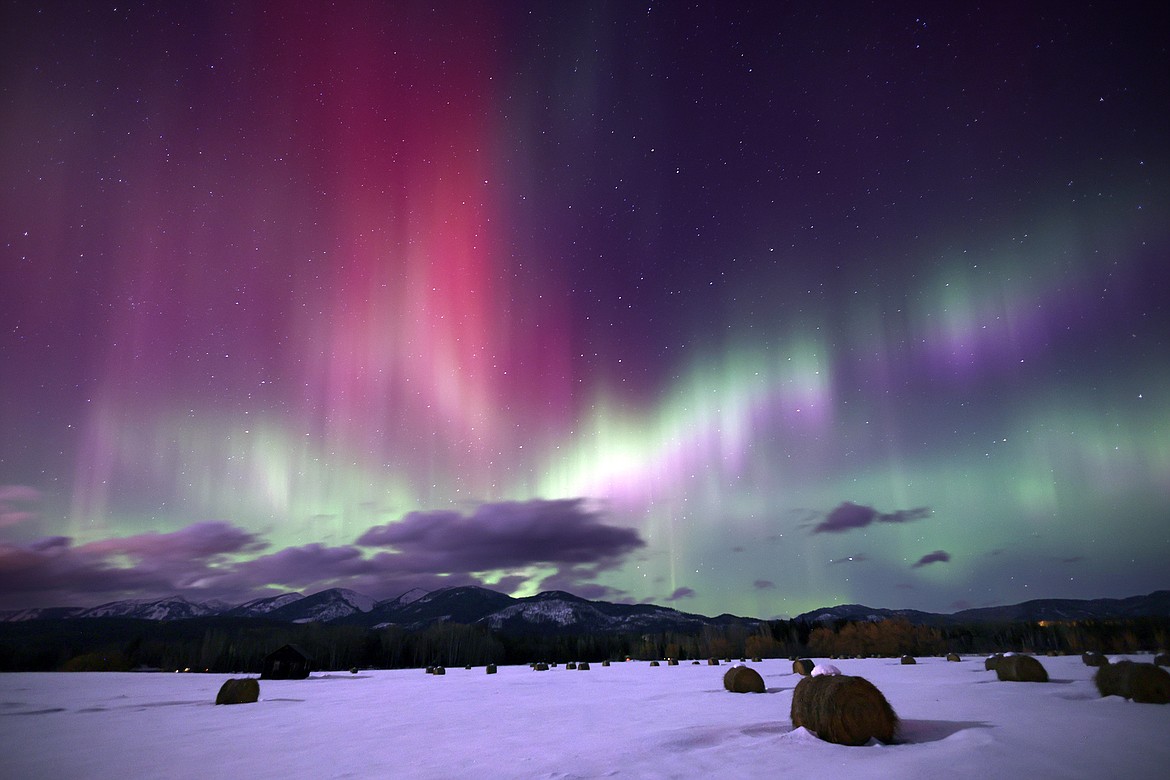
<point>300,567</point>
<point>849,559</point>
<point>681,593</point>
<point>53,571</point>
<point>579,580</point>
<point>427,550</point>
<point>504,536</point>
<point>18,504</point>
<point>197,542</point>
<point>938,556</point>
<point>847,516</point>
<point>764,585</point>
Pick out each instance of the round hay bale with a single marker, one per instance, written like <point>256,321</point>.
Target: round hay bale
<point>1162,659</point>
<point>439,671</point>
<point>694,663</point>
<point>468,667</point>
<point>1094,659</point>
<point>239,691</point>
<point>743,679</point>
<point>655,663</point>
<point>1020,668</point>
<point>353,670</point>
<point>1144,683</point>
<point>844,710</point>
<point>672,662</point>
<point>540,667</point>
<point>992,662</point>
<point>583,666</point>
<point>757,660</point>
<point>821,669</point>
<point>908,660</point>
<point>491,669</point>
<point>803,666</point>
<point>605,663</point>
<point>571,665</point>
<point>953,657</point>
<point>712,662</point>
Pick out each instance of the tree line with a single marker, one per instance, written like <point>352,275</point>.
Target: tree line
<point>239,645</point>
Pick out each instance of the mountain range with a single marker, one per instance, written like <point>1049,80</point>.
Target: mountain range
<point>557,611</point>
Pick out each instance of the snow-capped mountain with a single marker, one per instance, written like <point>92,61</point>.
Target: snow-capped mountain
<point>547,612</point>
<point>171,608</point>
<point>323,607</point>
<point>1156,604</point>
<point>40,613</point>
<point>456,605</point>
<point>263,606</point>
<point>557,611</point>
<point>546,609</point>
<point>860,612</point>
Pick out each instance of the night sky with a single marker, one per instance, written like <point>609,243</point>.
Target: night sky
<point>748,308</point>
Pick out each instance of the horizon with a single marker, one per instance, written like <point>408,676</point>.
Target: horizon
<point>738,309</point>
<point>377,602</point>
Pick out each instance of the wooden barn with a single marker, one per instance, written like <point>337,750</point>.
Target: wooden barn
<point>287,663</point>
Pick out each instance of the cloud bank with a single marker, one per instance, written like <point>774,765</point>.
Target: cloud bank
<point>847,516</point>
<point>938,556</point>
<point>429,550</point>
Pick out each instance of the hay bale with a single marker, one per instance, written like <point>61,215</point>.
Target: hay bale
<point>1144,683</point>
<point>712,662</point>
<point>953,657</point>
<point>491,669</point>
<point>655,663</point>
<point>803,666</point>
<point>1020,668</point>
<point>540,667</point>
<point>239,691</point>
<point>908,660</point>
<point>743,679</point>
<point>757,660</point>
<point>844,710</point>
<point>1094,659</point>
<point>1162,659</point>
<point>992,662</point>
<point>583,666</point>
<point>672,662</point>
<point>571,665</point>
<point>605,663</point>
<point>439,671</point>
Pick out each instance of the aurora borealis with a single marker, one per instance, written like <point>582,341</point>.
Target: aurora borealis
<point>748,308</point>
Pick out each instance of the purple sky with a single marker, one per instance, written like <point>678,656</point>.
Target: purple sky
<point>751,308</point>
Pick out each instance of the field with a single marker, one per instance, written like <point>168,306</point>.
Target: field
<point>627,720</point>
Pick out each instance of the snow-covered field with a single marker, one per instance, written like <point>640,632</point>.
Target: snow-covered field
<point>628,720</point>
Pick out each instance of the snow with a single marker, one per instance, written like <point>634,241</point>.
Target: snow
<point>269,603</point>
<point>628,719</point>
<point>827,669</point>
<point>556,611</point>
